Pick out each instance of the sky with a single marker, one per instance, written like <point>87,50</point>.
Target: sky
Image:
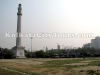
<point>50,16</point>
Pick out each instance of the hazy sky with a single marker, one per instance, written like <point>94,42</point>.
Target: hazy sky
<point>62,16</point>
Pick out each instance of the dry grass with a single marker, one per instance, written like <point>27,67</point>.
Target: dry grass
<point>77,64</point>
<point>67,66</point>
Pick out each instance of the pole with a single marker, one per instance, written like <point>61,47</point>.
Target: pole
<point>31,44</point>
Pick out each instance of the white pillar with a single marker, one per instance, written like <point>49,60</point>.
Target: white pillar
<point>19,14</point>
<point>18,49</point>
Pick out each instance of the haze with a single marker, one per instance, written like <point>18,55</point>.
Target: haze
<point>62,16</point>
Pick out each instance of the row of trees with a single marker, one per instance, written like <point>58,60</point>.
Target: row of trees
<point>65,52</point>
<point>8,54</point>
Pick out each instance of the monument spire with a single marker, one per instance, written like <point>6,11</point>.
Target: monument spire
<point>18,49</point>
<point>19,14</point>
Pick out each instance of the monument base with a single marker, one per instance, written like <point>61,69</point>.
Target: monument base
<point>18,52</point>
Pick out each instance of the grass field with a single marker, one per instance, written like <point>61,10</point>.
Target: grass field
<point>53,66</point>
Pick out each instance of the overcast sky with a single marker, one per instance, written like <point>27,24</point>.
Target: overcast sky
<point>61,16</point>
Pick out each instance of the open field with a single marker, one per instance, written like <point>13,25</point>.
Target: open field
<point>47,66</point>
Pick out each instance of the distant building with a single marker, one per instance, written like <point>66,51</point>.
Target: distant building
<point>88,45</point>
<point>58,47</point>
<point>95,43</point>
<point>46,49</point>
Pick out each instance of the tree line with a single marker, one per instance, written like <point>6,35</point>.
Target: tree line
<point>67,53</point>
<point>79,52</point>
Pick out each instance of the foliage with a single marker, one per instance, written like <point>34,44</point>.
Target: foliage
<point>6,53</point>
<point>87,52</point>
<point>40,54</point>
<point>28,55</point>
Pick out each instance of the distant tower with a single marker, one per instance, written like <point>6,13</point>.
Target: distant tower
<point>18,49</point>
<point>58,47</point>
<point>46,49</point>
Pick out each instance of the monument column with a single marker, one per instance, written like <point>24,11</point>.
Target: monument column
<point>19,14</point>
<point>18,50</point>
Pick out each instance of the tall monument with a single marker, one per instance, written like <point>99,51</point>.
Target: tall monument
<point>18,49</point>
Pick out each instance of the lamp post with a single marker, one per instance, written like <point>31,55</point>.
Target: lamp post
<point>43,53</point>
<point>31,43</point>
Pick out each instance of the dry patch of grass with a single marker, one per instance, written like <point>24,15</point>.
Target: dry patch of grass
<point>7,72</point>
<point>95,68</point>
<point>66,66</point>
<point>76,64</point>
<point>87,61</point>
<point>92,70</point>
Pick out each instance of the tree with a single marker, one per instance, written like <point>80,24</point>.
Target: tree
<point>7,54</point>
<point>28,55</point>
<point>39,54</point>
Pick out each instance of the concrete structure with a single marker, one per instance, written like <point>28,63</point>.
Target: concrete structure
<point>18,49</point>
